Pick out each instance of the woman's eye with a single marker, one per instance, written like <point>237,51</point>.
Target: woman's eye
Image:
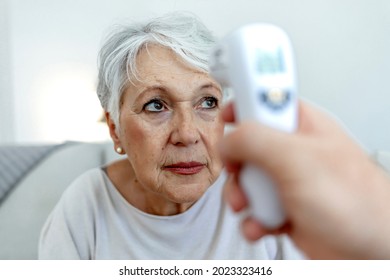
<point>209,103</point>
<point>154,106</point>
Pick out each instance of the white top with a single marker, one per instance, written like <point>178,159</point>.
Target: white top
<point>93,221</point>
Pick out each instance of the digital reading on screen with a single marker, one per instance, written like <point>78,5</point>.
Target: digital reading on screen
<point>270,62</point>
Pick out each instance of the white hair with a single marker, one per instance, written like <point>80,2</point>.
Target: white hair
<point>183,33</point>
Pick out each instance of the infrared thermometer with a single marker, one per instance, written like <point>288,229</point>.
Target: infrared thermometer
<point>257,63</point>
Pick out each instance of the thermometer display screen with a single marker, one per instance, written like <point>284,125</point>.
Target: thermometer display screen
<point>270,62</point>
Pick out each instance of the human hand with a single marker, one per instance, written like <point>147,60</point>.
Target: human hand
<point>335,197</point>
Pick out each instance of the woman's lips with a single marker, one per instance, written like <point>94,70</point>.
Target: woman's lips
<point>185,168</point>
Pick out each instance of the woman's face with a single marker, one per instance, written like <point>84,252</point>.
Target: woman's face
<point>170,127</point>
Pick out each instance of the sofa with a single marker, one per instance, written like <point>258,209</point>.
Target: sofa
<point>25,207</point>
<point>27,203</point>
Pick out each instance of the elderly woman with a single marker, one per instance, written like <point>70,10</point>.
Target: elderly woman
<point>164,201</point>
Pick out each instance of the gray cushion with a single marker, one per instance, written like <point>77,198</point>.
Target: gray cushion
<point>24,211</point>
<point>16,161</point>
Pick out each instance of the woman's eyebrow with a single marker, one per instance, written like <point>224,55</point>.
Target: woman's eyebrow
<point>147,89</point>
<point>210,85</point>
<point>143,90</point>
<point>162,89</point>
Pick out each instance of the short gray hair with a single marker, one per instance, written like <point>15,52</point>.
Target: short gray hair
<point>181,32</point>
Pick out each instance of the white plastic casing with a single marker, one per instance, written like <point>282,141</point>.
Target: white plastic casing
<point>256,61</point>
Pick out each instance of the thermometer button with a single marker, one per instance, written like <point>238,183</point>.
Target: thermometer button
<point>275,98</point>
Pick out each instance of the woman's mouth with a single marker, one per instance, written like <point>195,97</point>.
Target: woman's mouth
<point>185,168</point>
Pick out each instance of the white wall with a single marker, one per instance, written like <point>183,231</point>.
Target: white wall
<point>341,47</point>
<point>6,97</point>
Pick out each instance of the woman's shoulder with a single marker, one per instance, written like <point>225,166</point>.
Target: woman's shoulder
<point>75,209</point>
<point>85,186</point>
<point>89,178</point>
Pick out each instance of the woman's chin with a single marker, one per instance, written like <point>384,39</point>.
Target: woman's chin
<point>187,193</point>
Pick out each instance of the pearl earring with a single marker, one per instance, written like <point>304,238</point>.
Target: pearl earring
<point>119,150</point>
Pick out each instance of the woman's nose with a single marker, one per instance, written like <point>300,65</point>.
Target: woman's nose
<point>185,130</point>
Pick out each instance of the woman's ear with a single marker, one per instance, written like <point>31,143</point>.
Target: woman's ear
<point>114,133</point>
